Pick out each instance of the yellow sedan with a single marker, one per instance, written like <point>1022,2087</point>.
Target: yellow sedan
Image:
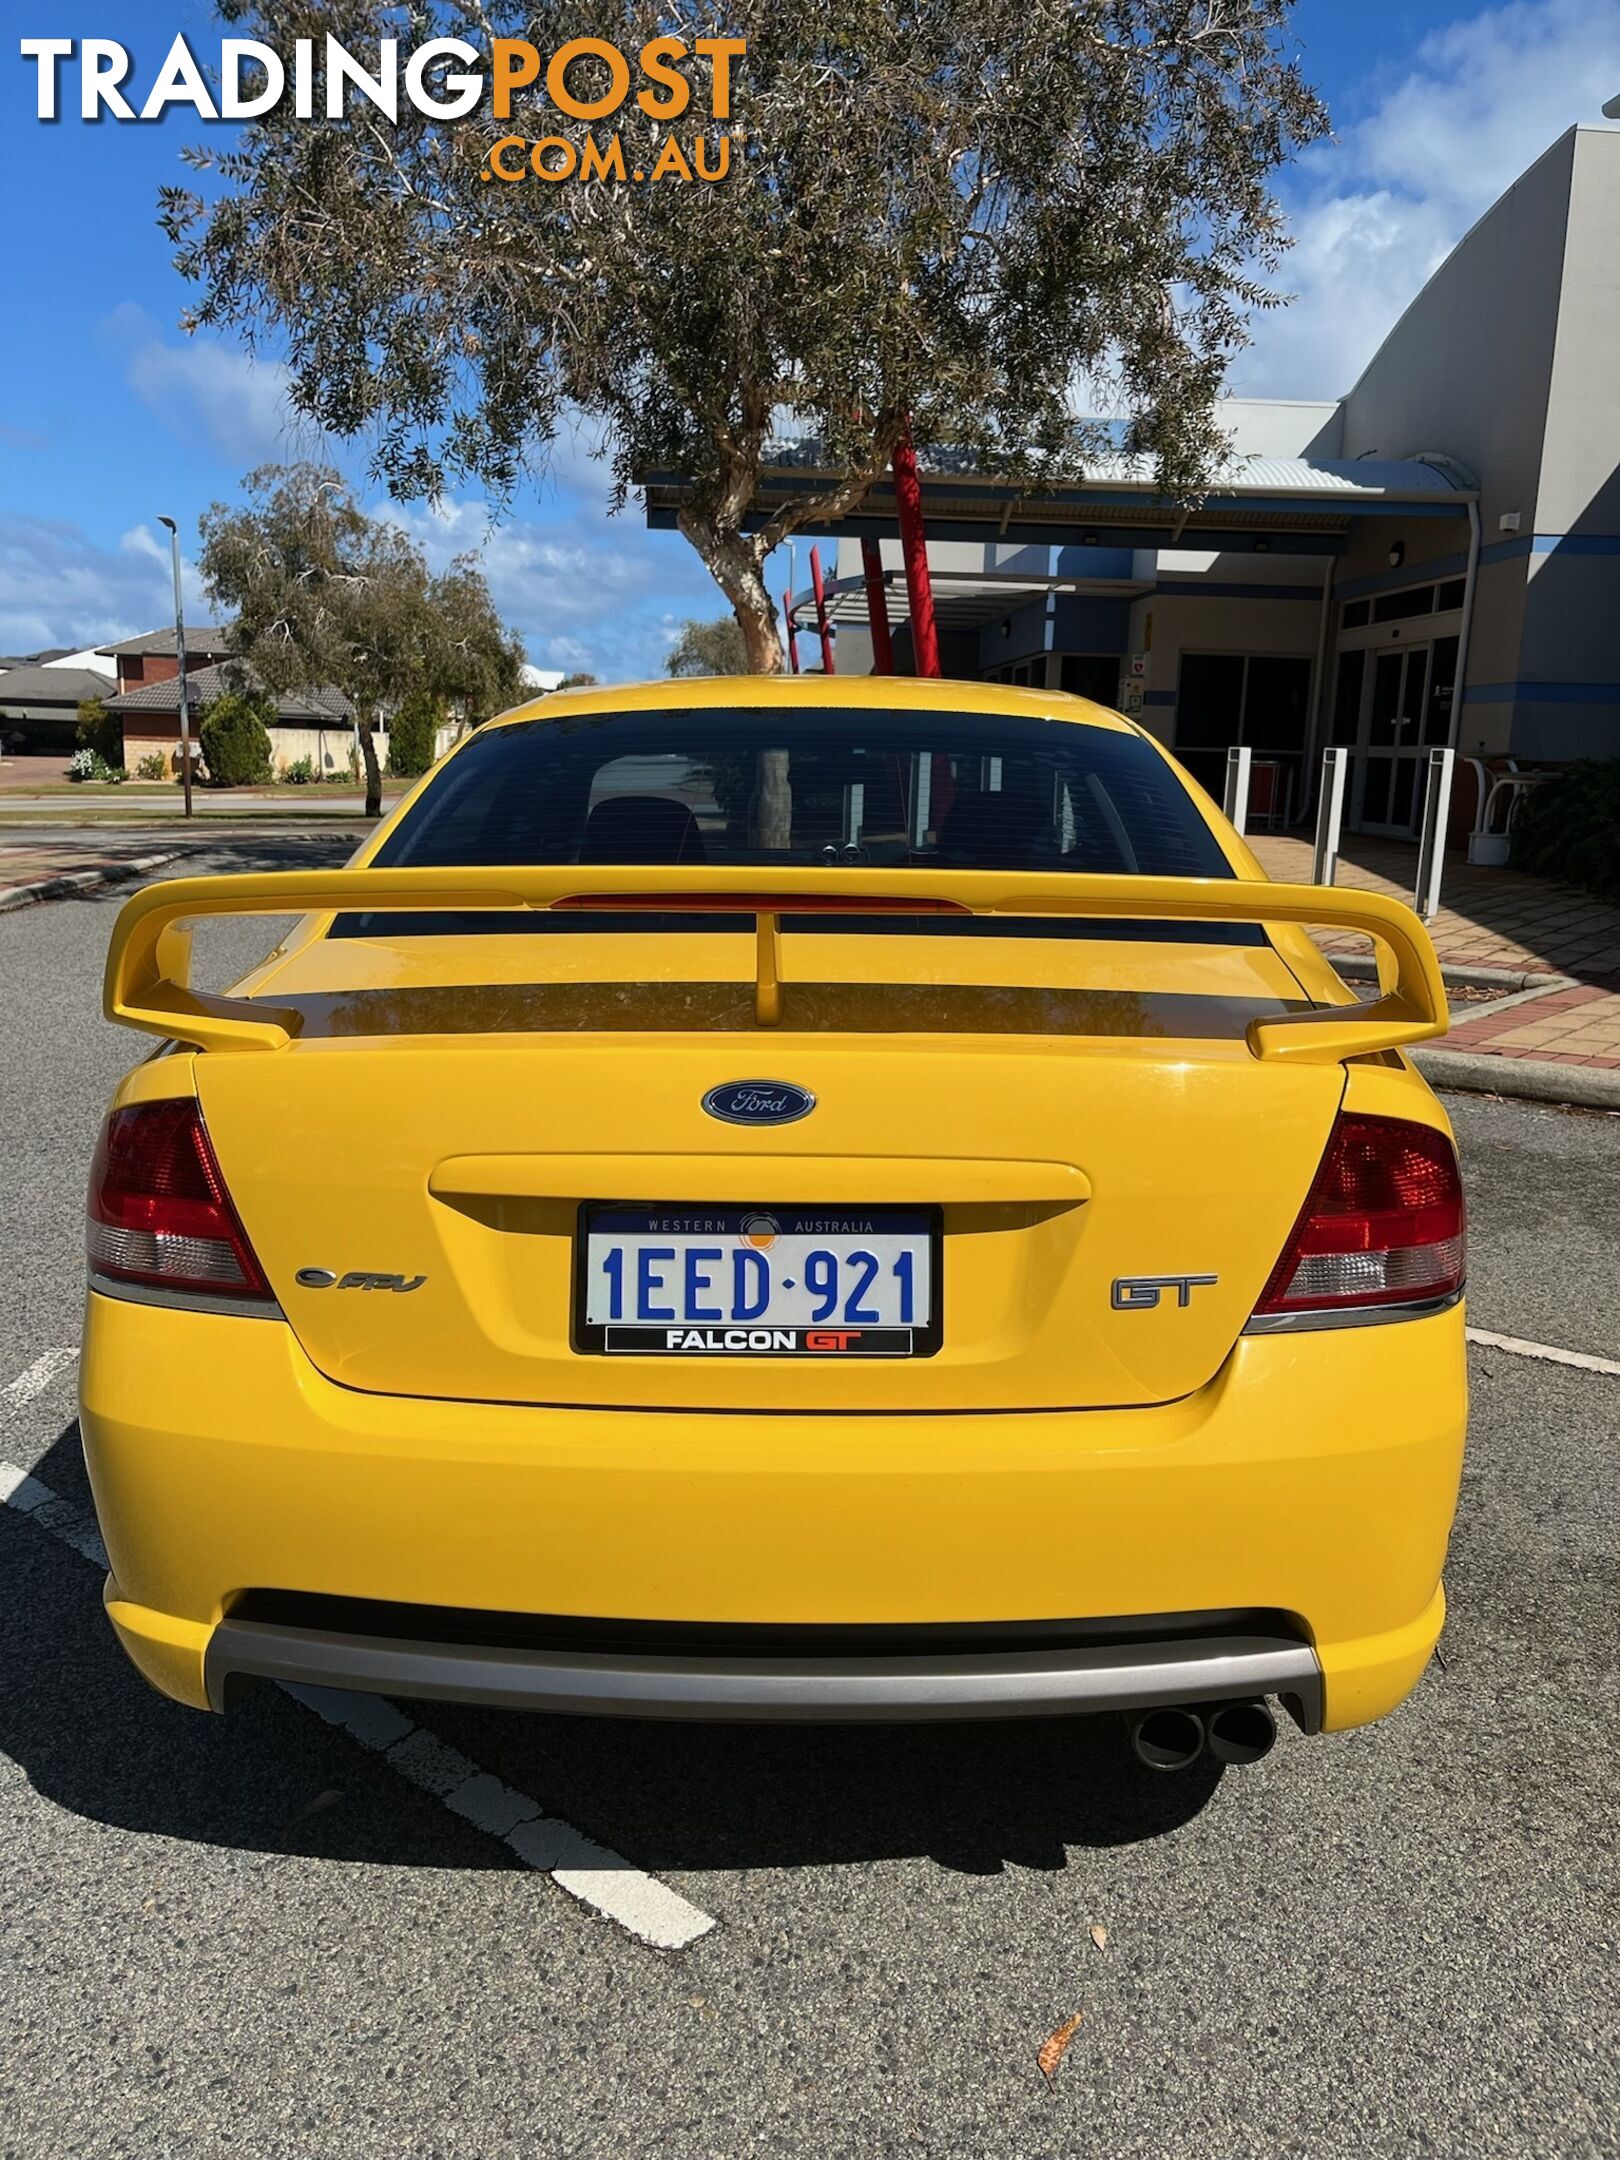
<point>810,1198</point>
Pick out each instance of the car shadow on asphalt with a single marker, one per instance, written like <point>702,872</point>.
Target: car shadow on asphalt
<point>272,1778</point>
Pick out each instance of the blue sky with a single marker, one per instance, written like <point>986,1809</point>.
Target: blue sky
<point>110,415</point>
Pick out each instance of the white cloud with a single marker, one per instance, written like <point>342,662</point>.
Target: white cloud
<point>583,589</point>
<point>1376,212</point>
<point>59,587</point>
<point>199,387</point>
<point>583,592</point>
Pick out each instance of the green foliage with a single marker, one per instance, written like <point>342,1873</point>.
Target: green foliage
<point>100,731</point>
<point>953,212</point>
<point>235,742</point>
<point>323,594</point>
<point>581,679</point>
<point>411,732</point>
<point>709,648</point>
<point>88,764</point>
<point>299,772</point>
<point>154,766</point>
<point>1570,828</point>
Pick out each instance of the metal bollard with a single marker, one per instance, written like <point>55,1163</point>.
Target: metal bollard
<point>1235,801</point>
<point>1432,839</point>
<point>1329,816</point>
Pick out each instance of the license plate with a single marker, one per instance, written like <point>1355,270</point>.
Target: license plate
<point>758,1281</point>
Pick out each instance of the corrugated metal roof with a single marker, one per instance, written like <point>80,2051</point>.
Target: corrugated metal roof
<point>1341,476</point>
<point>1344,479</point>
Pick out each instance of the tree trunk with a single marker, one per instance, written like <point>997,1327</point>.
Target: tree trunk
<point>772,819</point>
<point>736,565</point>
<point>368,751</point>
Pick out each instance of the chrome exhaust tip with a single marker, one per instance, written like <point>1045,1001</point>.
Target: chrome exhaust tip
<point>1241,1732</point>
<point>1167,1739</point>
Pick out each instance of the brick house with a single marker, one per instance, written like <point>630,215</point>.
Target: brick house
<point>39,707</point>
<point>153,657</point>
<point>315,723</point>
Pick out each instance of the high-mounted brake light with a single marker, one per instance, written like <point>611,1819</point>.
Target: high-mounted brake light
<point>159,1213</point>
<point>1383,1223</point>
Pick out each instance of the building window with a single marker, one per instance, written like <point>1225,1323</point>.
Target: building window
<point>1209,703</point>
<point>1092,675</point>
<point>1347,695</point>
<point>1259,699</point>
<point>1402,606</point>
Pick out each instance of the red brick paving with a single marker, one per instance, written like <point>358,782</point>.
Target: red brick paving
<point>1498,919</point>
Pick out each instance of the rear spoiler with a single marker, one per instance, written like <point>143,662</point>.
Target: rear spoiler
<point>149,962</point>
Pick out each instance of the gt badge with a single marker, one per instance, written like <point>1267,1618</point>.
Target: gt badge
<point>1140,1293</point>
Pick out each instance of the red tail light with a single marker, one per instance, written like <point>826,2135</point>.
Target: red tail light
<point>159,1211</point>
<point>1382,1225</point>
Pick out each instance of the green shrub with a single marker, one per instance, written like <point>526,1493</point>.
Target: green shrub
<point>1570,828</point>
<point>100,731</point>
<point>300,772</point>
<point>235,741</point>
<point>411,733</point>
<point>154,766</point>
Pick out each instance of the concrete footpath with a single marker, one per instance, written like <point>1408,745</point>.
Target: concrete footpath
<point>54,862</point>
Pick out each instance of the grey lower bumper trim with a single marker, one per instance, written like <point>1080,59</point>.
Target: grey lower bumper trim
<point>1012,1683</point>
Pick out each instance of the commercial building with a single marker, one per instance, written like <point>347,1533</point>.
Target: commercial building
<point>1431,558</point>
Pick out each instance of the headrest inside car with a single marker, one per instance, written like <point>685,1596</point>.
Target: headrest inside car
<point>641,829</point>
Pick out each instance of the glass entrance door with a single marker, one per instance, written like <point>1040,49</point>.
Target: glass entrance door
<point>1405,710</point>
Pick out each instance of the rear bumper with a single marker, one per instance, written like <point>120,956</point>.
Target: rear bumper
<point>832,1688</point>
<point>1313,1480</point>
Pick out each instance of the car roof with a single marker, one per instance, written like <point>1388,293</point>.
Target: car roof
<point>883,693</point>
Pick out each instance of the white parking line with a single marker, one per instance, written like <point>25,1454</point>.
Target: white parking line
<point>1519,1348</point>
<point>36,1379</point>
<point>641,1904</point>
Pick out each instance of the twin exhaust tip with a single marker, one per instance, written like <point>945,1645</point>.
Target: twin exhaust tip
<point>1173,1738</point>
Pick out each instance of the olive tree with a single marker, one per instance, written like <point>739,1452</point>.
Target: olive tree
<point>941,215</point>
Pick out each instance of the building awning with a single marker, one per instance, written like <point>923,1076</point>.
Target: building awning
<point>1314,500</point>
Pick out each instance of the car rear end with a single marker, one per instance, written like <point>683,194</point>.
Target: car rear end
<point>937,1257</point>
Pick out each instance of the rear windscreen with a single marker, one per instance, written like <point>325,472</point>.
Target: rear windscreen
<point>731,788</point>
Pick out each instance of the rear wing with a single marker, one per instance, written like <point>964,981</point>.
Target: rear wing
<point>149,962</point>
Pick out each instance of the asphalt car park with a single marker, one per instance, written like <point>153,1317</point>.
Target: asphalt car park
<point>325,1925</point>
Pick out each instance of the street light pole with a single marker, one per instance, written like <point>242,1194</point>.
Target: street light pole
<point>180,656</point>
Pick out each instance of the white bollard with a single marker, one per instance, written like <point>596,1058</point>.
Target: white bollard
<point>1236,799</point>
<point>1432,839</point>
<point>1329,816</point>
